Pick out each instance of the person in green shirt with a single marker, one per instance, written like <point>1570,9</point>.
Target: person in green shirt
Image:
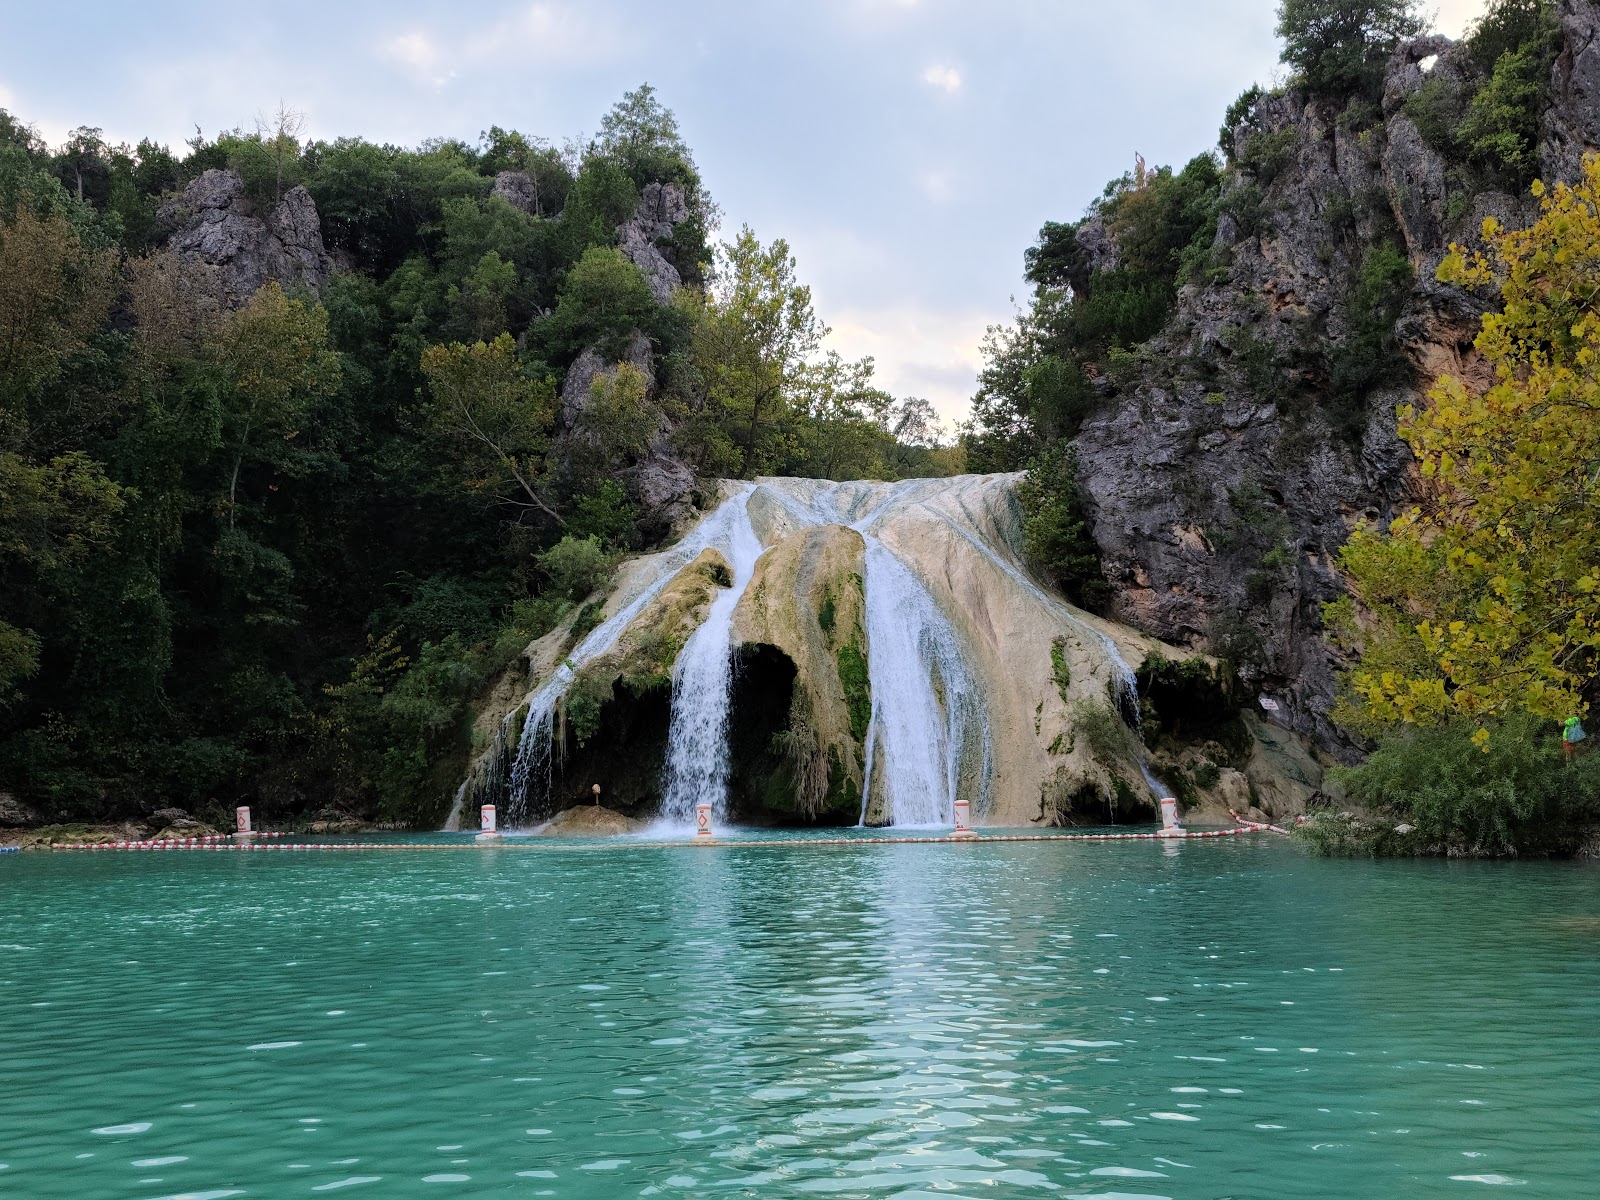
<point>1571,734</point>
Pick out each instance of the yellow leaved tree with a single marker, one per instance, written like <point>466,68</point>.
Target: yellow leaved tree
<point>1484,599</point>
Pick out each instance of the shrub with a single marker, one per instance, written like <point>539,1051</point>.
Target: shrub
<point>575,567</point>
<point>1501,128</point>
<point>1055,536</point>
<point>1518,796</point>
<point>1370,356</point>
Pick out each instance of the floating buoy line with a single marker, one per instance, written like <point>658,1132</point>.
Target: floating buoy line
<point>221,843</point>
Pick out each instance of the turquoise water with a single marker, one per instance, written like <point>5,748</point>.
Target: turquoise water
<point>1219,1019</point>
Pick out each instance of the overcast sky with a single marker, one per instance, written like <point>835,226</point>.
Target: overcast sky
<point>907,149</point>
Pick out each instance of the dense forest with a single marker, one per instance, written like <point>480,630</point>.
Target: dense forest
<point>272,516</point>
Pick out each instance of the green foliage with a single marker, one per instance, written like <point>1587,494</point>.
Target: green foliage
<point>1520,797</point>
<point>1511,27</point>
<point>1369,356</point>
<point>1241,112</point>
<point>576,567</point>
<point>1206,775</point>
<point>1059,670</point>
<point>1501,126</point>
<point>1055,536</point>
<point>1266,154</point>
<point>605,515</point>
<point>1340,46</point>
<point>857,689</point>
<point>1035,386</point>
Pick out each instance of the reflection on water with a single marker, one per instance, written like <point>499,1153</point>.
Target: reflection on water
<point>890,1021</point>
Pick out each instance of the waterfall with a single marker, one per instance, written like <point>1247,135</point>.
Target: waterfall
<point>935,550</point>
<point>528,789</point>
<point>702,684</point>
<point>912,655</point>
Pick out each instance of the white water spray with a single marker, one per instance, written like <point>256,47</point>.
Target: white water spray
<point>702,686</point>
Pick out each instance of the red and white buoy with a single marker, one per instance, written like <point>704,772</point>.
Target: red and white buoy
<point>243,832</point>
<point>1170,825</point>
<point>963,814</point>
<point>702,821</point>
<point>486,822</point>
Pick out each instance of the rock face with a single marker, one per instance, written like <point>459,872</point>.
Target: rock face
<point>15,813</point>
<point>662,207</point>
<point>1219,495</point>
<point>215,224</point>
<point>517,189</point>
<point>659,484</point>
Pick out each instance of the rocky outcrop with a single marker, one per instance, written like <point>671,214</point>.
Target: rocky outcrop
<point>214,224</point>
<point>589,366</point>
<point>1221,482</point>
<point>659,484</point>
<point>662,207</point>
<point>518,189</point>
<point>1573,123</point>
<point>15,813</point>
<point>588,820</point>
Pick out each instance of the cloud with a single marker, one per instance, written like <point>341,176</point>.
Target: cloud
<point>945,78</point>
<point>929,352</point>
<point>414,50</point>
<point>549,33</point>
<point>1456,15</point>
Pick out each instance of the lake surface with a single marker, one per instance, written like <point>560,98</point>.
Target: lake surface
<point>1218,1019</point>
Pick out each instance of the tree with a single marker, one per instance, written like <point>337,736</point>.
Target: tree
<point>51,515</point>
<point>54,293</point>
<point>274,355</point>
<point>1055,534</point>
<point>752,339</point>
<point>1340,46</point>
<point>641,134</point>
<point>1484,599</point>
<point>845,429</point>
<point>280,134</point>
<point>83,161</point>
<point>497,420</point>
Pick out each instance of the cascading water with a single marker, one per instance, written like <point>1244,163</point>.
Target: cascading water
<point>935,551</point>
<point>926,710</point>
<point>911,654</point>
<point>529,777</point>
<point>702,682</point>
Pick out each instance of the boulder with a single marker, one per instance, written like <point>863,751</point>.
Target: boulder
<point>13,812</point>
<point>216,225</point>
<point>589,820</point>
<point>589,366</point>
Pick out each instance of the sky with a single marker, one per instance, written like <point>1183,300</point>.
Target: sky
<point>907,150</point>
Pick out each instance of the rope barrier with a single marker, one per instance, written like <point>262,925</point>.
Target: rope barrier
<point>762,843</point>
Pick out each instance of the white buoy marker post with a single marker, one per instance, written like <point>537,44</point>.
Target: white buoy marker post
<point>702,822</point>
<point>963,814</point>
<point>486,823</point>
<point>1170,825</point>
<point>242,831</point>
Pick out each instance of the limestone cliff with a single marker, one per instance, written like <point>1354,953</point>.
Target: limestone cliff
<point>214,224</point>
<point>1220,482</point>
